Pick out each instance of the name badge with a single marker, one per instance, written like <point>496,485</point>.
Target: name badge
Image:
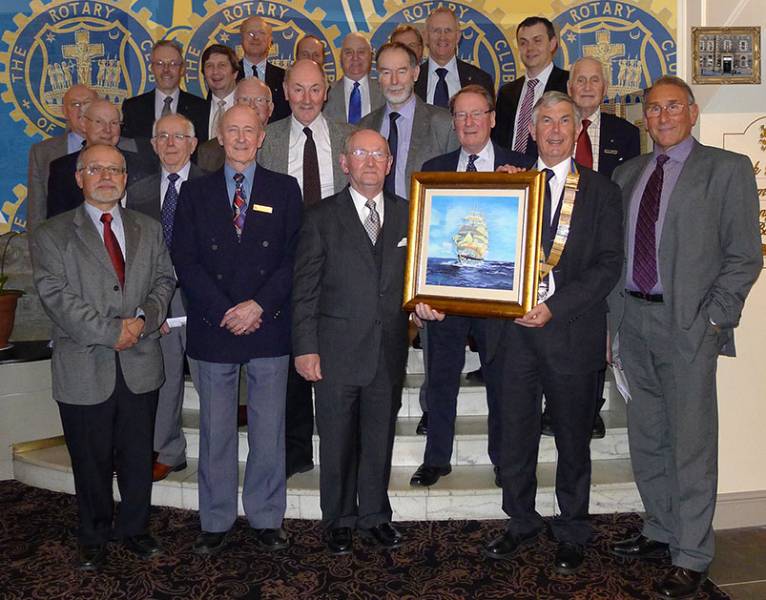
<point>262,208</point>
<point>610,151</point>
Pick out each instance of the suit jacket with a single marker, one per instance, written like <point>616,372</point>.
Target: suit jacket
<point>276,145</point>
<point>336,109</point>
<point>344,309</point>
<point>210,155</point>
<point>466,72</point>
<point>144,194</point>
<point>432,134</point>
<point>41,155</point>
<point>508,103</point>
<point>586,273</point>
<point>710,249</point>
<point>79,291</point>
<point>619,141</point>
<point>218,271</point>
<point>138,114</point>
<point>63,192</point>
<point>275,77</point>
<point>448,162</point>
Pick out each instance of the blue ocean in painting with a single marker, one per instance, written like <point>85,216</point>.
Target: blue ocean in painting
<point>497,275</point>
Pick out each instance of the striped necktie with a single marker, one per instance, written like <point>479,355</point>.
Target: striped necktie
<point>525,117</point>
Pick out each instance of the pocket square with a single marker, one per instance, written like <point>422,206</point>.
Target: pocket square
<point>402,242</point>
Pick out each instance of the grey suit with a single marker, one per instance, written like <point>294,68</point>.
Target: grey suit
<point>336,109</point>
<point>709,256</point>
<point>432,135</point>
<point>275,149</point>
<point>210,155</point>
<point>41,155</point>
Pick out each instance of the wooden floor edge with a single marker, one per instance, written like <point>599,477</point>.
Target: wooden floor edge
<point>21,447</point>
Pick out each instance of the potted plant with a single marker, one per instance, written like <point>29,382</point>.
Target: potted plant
<point>8,298</point>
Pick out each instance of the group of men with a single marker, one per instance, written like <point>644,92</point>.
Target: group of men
<point>288,255</point>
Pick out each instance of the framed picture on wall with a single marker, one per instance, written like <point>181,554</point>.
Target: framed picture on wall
<point>474,242</point>
<point>726,55</point>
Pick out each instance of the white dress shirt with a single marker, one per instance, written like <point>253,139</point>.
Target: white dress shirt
<point>452,78</point>
<point>321,134</point>
<point>364,89</point>
<point>560,172</point>
<point>484,164</point>
<point>159,102</point>
<point>229,102</point>
<point>362,210</point>
<point>542,81</point>
<point>183,175</point>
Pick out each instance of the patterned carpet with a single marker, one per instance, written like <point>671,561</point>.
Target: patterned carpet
<point>440,561</point>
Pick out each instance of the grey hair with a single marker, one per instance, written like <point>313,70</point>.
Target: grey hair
<point>671,80</point>
<point>189,125</point>
<point>81,161</point>
<point>551,99</point>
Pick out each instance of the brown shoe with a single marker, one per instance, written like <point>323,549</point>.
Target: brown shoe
<point>160,471</point>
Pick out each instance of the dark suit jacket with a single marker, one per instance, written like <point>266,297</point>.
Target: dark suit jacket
<point>63,192</point>
<point>619,141</point>
<point>275,77</point>
<point>138,114</point>
<point>588,270</point>
<point>467,73</point>
<point>448,162</point>
<point>508,103</point>
<point>216,271</point>
<point>342,309</point>
<point>144,195</point>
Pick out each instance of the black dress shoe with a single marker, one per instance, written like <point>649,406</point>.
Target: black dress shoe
<point>91,557</point>
<point>504,547</point>
<point>422,428</point>
<point>640,546</point>
<point>498,479</point>
<point>680,583</point>
<point>599,428</point>
<point>569,558</point>
<point>546,423</point>
<point>339,540</point>
<point>302,468</point>
<point>143,545</point>
<point>209,543</point>
<point>272,540</point>
<point>385,535</point>
<point>477,376</point>
<point>426,475</point>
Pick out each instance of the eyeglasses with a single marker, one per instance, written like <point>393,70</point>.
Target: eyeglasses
<point>377,155</point>
<point>161,64</point>
<point>101,169</point>
<point>254,34</point>
<point>476,115</point>
<point>102,123</point>
<point>674,109</point>
<point>250,100</point>
<point>178,137</point>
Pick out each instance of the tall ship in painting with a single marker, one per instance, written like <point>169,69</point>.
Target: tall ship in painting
<point>472,240</point>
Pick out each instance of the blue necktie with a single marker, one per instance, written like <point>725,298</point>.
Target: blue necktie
<point>168,211</point>
<point>355,105</point>
<point>441,94</point>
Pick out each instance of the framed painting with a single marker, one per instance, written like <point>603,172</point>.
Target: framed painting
<point>474,242</point>
<point>726,55</point>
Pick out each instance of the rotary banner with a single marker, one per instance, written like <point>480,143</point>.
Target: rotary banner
<point>49,46</point>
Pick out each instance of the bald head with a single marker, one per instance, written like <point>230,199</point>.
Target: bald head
<point>305,89</point>
<point>76,99</point>
<point>255,34</point>
<point>257,95</point>
<point>355,56</point>
<point>310,47</point>
<point>102,123</point>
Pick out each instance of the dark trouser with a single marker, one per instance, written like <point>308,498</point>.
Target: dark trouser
<point>299,420</point>
<point>116,434</point>
<point>572,398</point>
<point>356,436</point>
<point>446,357</point>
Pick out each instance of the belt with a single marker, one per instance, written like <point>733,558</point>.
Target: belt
<point>647,297</point>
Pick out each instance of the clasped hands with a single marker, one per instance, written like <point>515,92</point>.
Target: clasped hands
<point>537,317</point>
<point>130,333</point>
<point>243,318</point>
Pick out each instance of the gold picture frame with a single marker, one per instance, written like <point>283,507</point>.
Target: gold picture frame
<point>723,55</point>
<point>474,242</point>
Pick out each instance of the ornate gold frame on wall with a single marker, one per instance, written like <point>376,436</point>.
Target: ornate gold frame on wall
<point>754,33</point>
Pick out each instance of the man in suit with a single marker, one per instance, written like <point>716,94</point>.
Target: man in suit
<point>256,40</point>
<point>41,154</point>
<point>308,147</point>
<point>693,251</point>
<point>310,47</point>
<point>102,126</point>
<point>220,68</point>
<point>105,279</point>
<point>420,131</point>
<point>443,74</point>
<point>238,315</point>
<point>409,35</point>
<point>354,95</point>
<point>473,116</point>
<point>556,348</point>
<point>537,42</point>
<point>168,67</point>
<point>156,196</point>
<point>252,92</point>
<point>350,338</point>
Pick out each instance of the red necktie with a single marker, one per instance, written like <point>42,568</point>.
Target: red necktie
<point>584,152</point>
<point>113,248</point>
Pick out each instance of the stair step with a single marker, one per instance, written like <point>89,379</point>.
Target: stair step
<point>467,493</point>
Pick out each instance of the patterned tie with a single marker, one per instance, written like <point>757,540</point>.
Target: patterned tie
<point>168,211</point>
<point>255,71</point>
<point>525,117</point>
<point>372,222</point>
<point>441,93</point>
<point>584,153</point>
<point>645,243</point>
<point>312,185</point>
<point>355,105</point>
<point>471,166</point>
<point>240,205</point>
<point>113,249</point>
<point>393,146</point>
<point>217,118</point>
<point>547,238</point>
<point>166,109</point>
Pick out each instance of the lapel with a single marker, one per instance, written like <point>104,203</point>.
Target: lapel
<point>132,240</point>
<point>85,230</point>
<point>282,141</point>
<point>144,196</point>
<point>336,148</point>
<point>464,73</point>
<point>420,127</point>
<point>354,231</point>
<point>631,179</point>
<point>376,96</point>
<point>220,214</point>
<point>421,83</point>
<point>392,227</point>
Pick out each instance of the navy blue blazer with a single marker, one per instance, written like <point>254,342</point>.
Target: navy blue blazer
<point>216,271</point>
<point>448,162</point>
<point>619,141</point>
<point>466,72</point>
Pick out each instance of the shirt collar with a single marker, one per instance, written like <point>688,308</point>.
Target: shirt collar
<point>249,172</point>
<point>451,66</point>
<point>544,74</point>
<point>348,84</point>
<point>560,171</point>
<point>316,125</point>
<point>595,118</point>
<point>162,95</point>
<point>407,110</point>
<point>360,200</point>
<point>679,152</point>
<point>95,213</point>
<point>183,172</point>
<point>483,154</point>
<point>229,99</point>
